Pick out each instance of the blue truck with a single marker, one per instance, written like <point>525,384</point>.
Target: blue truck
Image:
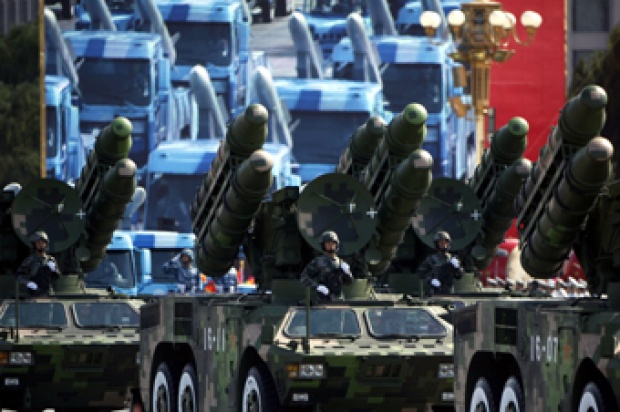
<point>418,69</point>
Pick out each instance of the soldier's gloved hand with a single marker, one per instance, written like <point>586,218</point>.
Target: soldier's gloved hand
<point>435,283</point>
<point>32,285</point>
<point>322,289</point>
<point>52,265</point>
<point>344,266</point>
<point>455,262</point>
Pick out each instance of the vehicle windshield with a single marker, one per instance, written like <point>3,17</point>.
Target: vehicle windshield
<point>116,269</point>
<point>34,315</point>
<point>131,81</point>
<point>424,86</point>
<point>51,121</point>
<point>170,197</point>
<point>324,322</point>
<point>403,322</point>
<point>160,256</point>
<point>120,6</point>
<point>200,43</point>
<point>333,8</point>
<point>320,137</point>
<point>105,314</point>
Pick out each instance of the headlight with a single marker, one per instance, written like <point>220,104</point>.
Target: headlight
<point>446,370</point>
<point>20,358</point>
<point>305,371</point>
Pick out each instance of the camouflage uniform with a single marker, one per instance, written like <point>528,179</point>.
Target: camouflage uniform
<point>327,271</point>
<point>438,266</point>
<point>186,276</point>
<point>35,268</point>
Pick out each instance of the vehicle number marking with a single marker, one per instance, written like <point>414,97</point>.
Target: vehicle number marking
<point>544,349</point>
<point>217,337</point>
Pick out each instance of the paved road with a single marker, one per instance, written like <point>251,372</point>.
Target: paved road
<point>274,38</point>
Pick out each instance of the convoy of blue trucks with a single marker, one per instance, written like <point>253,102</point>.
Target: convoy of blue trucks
<point>179,91</point>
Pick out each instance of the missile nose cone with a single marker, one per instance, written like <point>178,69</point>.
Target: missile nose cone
<point>261,161</point>
<point>421,159</point>
<point>518,126</point>
<point>415,113</point>
<point>593,97</point>
<point>125,168</point>
<point>248,131</point>
<point>121,126</point>
<point>509,143</point>
<point>256,114</point>
<point>600,149</point>
<point>583,117</point>
<point>523,167</point>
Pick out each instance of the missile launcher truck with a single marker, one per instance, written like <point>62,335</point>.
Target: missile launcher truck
<point>533,354</point>
<point>280,348</point>
<point>71,349</point>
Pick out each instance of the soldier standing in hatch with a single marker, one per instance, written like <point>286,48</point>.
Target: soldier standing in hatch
<point>327,273</point>
<point>185,273</point>
<point>441,268</point>
<point>39,269</point>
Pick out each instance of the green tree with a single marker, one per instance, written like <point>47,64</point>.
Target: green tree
<point>604,70</point>
<point>20,105</point>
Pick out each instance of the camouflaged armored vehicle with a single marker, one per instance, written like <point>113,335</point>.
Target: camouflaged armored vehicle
<point>280,349</point>
<point>530,354</point>
<point>70,348</point>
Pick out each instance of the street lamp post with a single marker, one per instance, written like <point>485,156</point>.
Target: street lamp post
<point>483,33</point>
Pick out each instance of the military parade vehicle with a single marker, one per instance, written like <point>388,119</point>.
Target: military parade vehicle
<point>68,348</point>
<point>280,348</point>
<point>533,354</point>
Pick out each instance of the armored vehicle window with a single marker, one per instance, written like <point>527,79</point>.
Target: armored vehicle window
<point>320,136</point>
<point>324,322</point>
<point>116,269</point>
<point>426,86</point>
<point>105,314</point>
<point>34,314</point>
<point>403,322</point>
<point>200,43</point>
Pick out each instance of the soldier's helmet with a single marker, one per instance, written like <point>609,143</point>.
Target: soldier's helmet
<point>188,252</point>
<point>442,235</point>
<point>330,235</point>
<point>39,235</point>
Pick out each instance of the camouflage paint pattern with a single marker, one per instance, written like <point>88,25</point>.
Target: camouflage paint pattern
<point>223,337</point>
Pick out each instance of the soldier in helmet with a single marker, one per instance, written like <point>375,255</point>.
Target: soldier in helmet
<point>39,269</point>
<point>440,268</point>
<point>327,273</point>
<point>182,267</point>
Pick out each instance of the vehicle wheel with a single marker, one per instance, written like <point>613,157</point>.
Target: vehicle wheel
<point>163,393</point>
<point>512,396</point>
<point>482,397</point>
<point>282,8</point>
<point>187,398</point>
<point>67,9</point>
<point>259,392</point>
<point>267,11</point>
<point>591,399</point>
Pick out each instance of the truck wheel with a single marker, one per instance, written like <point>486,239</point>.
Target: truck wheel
<point>482,397</point>
<point>163,394</point>
<point>512,396</point>
<point>282,8</point>
<point>67,9</point>
<point>259,393</point>
<point>267,12</point>
<point>187,399</point>
<point>591,399</point>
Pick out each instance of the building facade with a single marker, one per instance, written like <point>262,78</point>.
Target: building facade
<point>14,12</point>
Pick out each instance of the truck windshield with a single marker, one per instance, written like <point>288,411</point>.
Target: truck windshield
<point>51,121</point>
<point>201,43</point>
<point>159,256</point>
<point>120,6</point>
<point>116,269</point>
<point>333,8</point>
<point>320,137</point>
<point>324,322</point>
<point>423,82</point>
<point>168,202</point>
<point>105,314</point>
<point>34,315</point>
<point>131,80</point>
<point>403,322</point>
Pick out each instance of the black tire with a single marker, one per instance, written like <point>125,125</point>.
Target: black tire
<point>163,390</point>
<point>591,399</point>
<point>512,396</point>
<point>67,9</point>
<point>267,12</point>
<point>482,397</point>
<point>259,392</point>
<point>282,8</point>
<point>187,399</point>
